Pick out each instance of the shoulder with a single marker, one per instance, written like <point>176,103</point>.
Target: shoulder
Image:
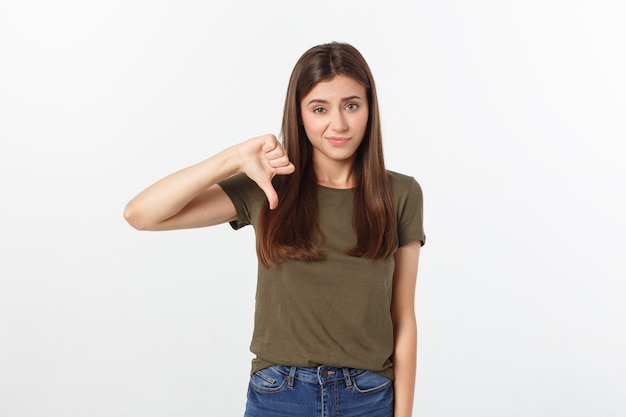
<point>402,184</point>
<point>397,177</point>
<point>406,192</point>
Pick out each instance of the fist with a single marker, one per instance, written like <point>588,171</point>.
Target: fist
<point>264,157</point>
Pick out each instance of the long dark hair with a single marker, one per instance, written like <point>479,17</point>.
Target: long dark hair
<point>292,230</point>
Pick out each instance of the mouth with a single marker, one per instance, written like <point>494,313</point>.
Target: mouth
<point>337,140</point>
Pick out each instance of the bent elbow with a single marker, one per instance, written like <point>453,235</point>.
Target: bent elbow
<point>133,217</point>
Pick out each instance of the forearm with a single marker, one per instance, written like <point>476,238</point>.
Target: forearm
<point>404,363</point>
<point>171,194</point>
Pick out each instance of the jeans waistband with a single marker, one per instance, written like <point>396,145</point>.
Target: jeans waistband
<point>317,375</point>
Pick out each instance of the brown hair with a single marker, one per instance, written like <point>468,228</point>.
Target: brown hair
<point>291,230</point>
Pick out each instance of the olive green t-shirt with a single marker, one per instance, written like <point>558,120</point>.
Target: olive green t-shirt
<point>336,311</point>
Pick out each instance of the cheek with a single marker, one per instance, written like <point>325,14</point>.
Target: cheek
<point>361,121</point>
<point>312,125</point>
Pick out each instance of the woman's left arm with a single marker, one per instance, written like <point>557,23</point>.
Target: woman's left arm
<point>404,327</point>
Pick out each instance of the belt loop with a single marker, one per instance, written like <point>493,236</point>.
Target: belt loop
<point>292,377</point>
<point>347,378</point>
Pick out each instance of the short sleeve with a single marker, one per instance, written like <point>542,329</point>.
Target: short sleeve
<point>410,209</point>
<point>246,196</point>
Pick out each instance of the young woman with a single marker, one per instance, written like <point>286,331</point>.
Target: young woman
<point>338,242</point>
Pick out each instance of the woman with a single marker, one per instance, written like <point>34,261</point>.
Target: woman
<point>338,242</point>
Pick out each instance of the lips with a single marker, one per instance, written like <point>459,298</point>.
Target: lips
<point>337,140</point>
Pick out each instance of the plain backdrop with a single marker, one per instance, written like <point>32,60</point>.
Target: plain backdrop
<point>509,113</point>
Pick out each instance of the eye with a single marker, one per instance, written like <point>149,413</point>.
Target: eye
<point>319,110</point>
<point>352,106</point>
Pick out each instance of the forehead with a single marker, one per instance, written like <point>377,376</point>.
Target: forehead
<point>337,87</point>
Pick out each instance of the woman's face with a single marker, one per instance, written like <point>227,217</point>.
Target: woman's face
<point>334,115</point>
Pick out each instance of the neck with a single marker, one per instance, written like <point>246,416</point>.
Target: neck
<point>336,177</point>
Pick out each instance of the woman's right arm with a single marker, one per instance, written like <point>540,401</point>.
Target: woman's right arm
<point>192,198</point>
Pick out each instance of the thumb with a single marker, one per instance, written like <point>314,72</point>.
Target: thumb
<point>270,193</point>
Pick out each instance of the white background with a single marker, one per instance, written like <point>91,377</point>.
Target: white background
<point>509,113</point>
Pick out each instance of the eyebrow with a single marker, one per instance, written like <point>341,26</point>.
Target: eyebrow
<point>319,100</point>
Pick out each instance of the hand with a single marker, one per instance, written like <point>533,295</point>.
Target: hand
<point>263,157</point>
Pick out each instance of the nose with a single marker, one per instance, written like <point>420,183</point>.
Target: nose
<point>338,122</point>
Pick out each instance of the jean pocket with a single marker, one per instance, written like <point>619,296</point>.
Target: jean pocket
<point>369,382</point>
<point>268,380</point>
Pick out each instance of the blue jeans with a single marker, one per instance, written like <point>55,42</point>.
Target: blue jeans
<point>324,391</point>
